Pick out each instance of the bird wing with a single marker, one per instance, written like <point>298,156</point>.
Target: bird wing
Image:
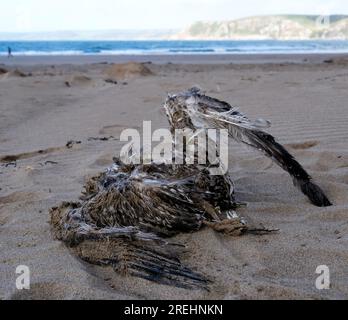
<point>213,113</point>
<point>129,250</point>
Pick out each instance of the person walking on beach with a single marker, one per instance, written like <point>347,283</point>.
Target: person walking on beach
<point>9,52</point>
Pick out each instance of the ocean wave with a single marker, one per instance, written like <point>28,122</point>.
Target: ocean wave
<point>45,53</point>
<point>51,48</point>
<point>192,50</point>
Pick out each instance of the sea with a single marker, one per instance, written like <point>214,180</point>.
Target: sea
<point>30,48</point>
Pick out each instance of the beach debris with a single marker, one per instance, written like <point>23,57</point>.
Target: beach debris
<point>127,71</point>
<point>111,81</point>
<point>329,61</point>
<point>70,144</point>
<point>51,162</point>
<point>16,74</point>
<point>3,71</point>
<point>101,139</point>
<point>9,158</point>
<point>341,60</point>
<point>28,155</point>
<point>10,164</point>
<point>47,163</point>
<point>127,214</point>
<point>12,73</point>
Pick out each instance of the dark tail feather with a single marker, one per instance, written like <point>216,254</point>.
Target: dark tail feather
<point>266,143</point>
<point>315,194</point>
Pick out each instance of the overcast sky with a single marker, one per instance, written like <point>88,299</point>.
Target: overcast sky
<point>54,15</point>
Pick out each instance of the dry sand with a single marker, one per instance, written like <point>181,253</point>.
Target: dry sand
<point>303,97</point>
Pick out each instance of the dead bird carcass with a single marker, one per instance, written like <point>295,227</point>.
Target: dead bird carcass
<point>128,213</point>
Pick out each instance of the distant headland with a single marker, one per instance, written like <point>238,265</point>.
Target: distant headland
<point>279,27</point>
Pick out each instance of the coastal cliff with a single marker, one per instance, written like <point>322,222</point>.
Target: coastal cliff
<point>281,27</point>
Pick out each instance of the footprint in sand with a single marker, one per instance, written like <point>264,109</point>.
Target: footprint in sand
<point>79,81</point>
<point>303,145</point>
<point>127,71</point>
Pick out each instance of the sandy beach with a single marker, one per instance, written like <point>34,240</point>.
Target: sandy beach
<point>46,102</point>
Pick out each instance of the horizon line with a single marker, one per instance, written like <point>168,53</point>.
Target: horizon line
<point>169,28</point>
